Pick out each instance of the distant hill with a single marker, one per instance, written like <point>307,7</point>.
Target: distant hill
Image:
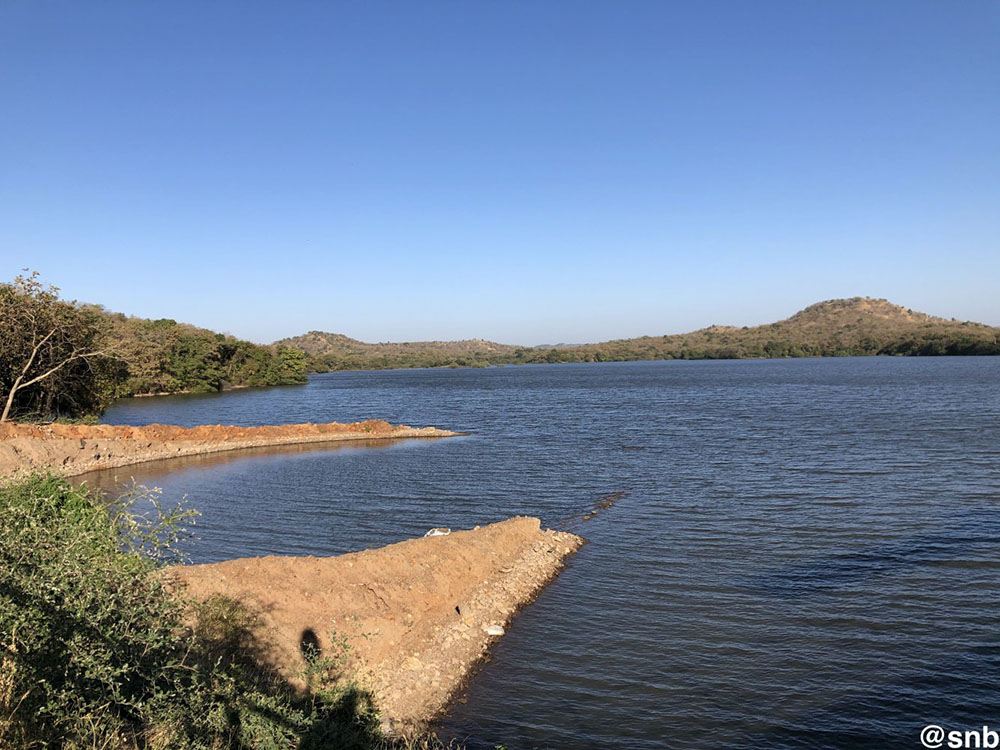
<point>334,351</point>
<point>860,326</point>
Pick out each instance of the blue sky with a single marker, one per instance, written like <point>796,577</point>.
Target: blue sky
<point>520,170</point>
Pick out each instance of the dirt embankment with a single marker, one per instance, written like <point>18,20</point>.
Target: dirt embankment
<point>77,449</point>
<point>417,615</point>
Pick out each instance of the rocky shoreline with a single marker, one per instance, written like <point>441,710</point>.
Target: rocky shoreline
<point>416,616</point>
<point>70,450</point>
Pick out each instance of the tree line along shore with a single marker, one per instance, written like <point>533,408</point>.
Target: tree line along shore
<point>62,359</point>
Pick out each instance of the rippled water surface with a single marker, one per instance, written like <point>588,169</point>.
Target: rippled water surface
<point>806,555</point>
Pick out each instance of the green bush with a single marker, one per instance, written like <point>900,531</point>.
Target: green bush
<point>97,651</point>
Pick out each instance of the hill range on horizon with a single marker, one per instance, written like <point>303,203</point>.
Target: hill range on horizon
<point>140,356</point>
<point>858,326</point>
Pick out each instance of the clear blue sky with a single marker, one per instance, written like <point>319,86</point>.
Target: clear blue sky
<point>530,171</point>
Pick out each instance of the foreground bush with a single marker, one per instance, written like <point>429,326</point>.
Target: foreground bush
<point>96,652</point>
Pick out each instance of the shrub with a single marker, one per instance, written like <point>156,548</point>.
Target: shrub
<point>88,633</point>
<point>97,650</point>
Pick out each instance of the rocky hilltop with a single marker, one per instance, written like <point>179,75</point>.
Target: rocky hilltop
<point>860,326</point>
<point>872,308</point>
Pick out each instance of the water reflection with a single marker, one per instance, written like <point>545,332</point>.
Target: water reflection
<point>149,473</point>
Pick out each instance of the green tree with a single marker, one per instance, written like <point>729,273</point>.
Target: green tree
<point>292,365</point>
<point>51,358</point>
<point>195,363</point>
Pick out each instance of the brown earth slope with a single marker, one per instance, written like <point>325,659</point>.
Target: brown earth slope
<point>414,614</point>
<point>76,449</point>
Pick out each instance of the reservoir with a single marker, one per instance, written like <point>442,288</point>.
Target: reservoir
<point>806,553</point>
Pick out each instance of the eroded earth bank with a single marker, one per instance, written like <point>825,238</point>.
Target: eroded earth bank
<point>77,449</point>
<point>417,616</point>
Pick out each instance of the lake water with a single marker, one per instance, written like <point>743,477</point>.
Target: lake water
<point>807,554</point>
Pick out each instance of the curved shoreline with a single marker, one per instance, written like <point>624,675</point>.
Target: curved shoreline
<point>419,615</point>
<point>71,450</point>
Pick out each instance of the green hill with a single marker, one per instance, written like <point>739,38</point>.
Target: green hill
<point>65,359</point>
<point>334,351</point>
<point>164,356</point>
<point>860,326</point>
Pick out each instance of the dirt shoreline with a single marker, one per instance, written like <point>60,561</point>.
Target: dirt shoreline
<point>71,450</point>
<point>418,616</point>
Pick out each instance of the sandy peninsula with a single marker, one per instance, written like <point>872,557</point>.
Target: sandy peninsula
<point>70,450</point>
<point>417,616</point>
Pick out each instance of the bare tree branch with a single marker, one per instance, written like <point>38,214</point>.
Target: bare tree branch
<point>82,355</point>
<point>40,336</point>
